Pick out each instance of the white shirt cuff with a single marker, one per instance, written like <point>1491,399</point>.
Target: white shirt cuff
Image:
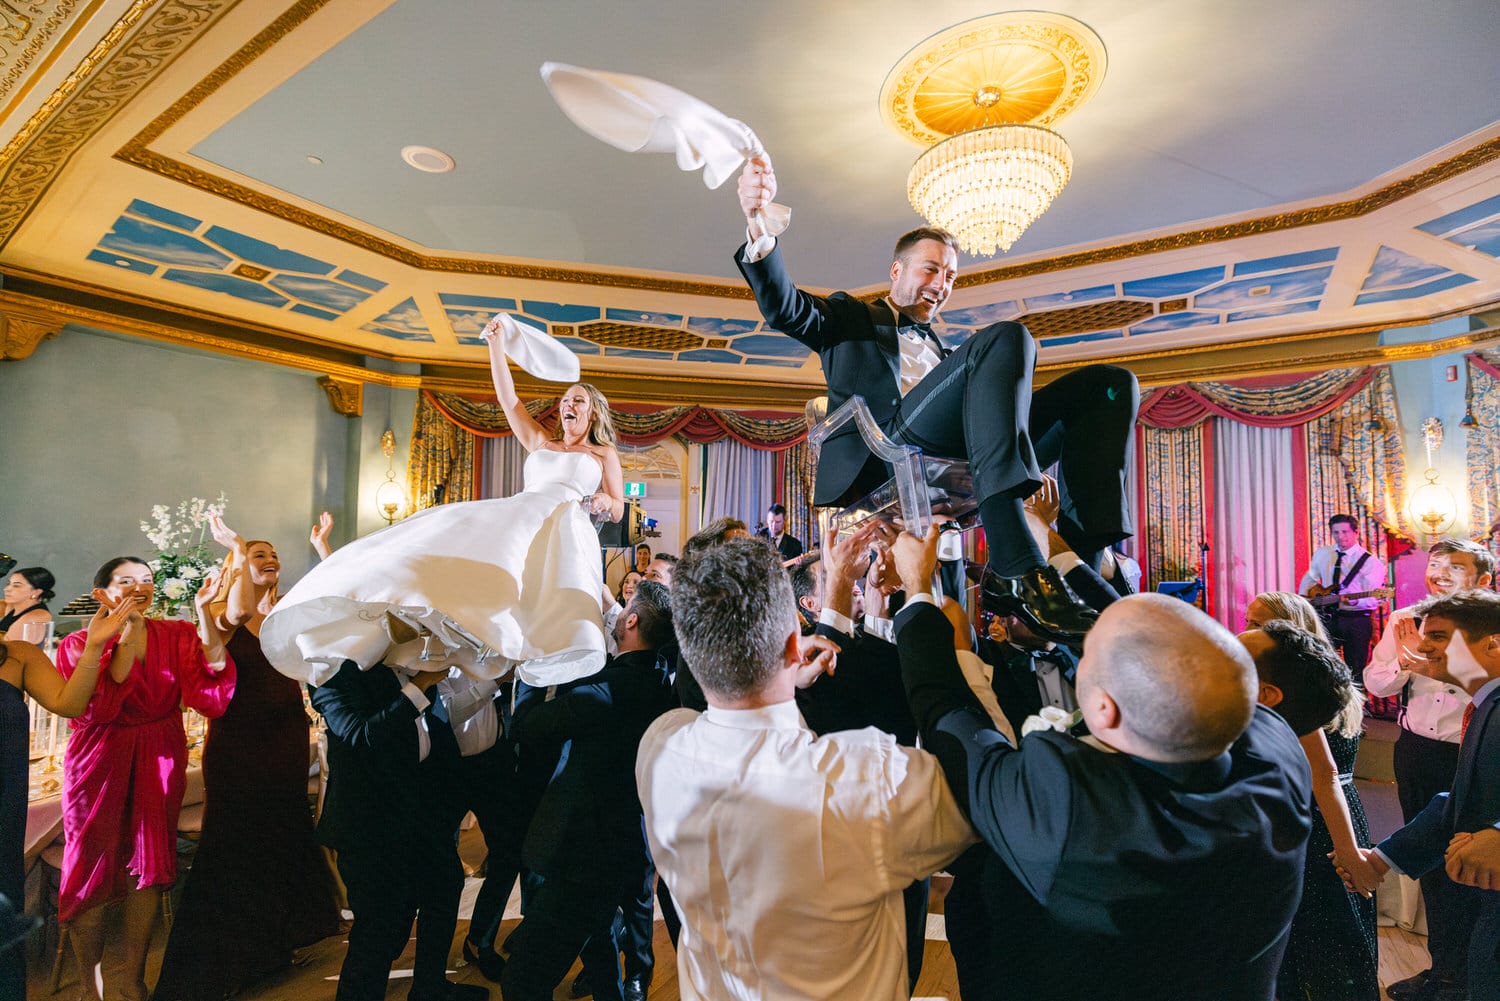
<point>922,598</point>
<point>881,628</point>
<point>416,695</point>
<point>836,620</point>
<point>757,245</point>
<point>1387,860</point>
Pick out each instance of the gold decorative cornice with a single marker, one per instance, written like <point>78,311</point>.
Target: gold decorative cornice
<point>1352,208</point>
<point>345,396</point>
<point>134,50</point>
<point>22,329</point>
<point>20,27</point>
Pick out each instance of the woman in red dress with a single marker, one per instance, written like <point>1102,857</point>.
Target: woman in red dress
<point>126,766</point>
<point>259,886</point>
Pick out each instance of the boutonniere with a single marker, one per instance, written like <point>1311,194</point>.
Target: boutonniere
<point>1051,718</point>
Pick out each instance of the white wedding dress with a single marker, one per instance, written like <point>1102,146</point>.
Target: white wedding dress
<point>487,585</point>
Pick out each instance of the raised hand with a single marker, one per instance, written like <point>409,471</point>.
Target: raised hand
<point>319,535</point>
<point>224,535</point>
<point>108,622</point>
<point>1046,502</point>
<point>757,186</point>
<point>206,592</point>
<point>819,657</point>
<point>916,559</point>
<point>1473,859</point>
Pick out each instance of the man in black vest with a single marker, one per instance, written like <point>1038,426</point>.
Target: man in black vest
<point>975,402</point>
<point>775,533</point>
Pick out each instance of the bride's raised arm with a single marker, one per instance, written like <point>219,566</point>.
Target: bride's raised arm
<point>528,432</point>
<point>610,496</point>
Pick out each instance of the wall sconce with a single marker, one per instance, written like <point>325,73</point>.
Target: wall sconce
<point>1432,505</point>
<point>390,497</point>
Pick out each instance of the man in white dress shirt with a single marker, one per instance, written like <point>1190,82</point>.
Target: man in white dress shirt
<point>1346,567</point>
<point>786,852</point>
<point>1426,752</point>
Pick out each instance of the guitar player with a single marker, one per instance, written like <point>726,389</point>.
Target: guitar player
<point>1344,569</point>
<point>1426,752</point>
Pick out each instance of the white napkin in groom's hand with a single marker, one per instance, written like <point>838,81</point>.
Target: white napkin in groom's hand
<point>536,351</point>
<point>640,115</point>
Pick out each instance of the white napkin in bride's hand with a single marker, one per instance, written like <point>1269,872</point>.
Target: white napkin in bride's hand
<point>535,350</point>
<point>640,115</point>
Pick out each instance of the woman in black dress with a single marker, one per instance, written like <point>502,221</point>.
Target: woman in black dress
<point>259,886</point>
<point>25,670</point>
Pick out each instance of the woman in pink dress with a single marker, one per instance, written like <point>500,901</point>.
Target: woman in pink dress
<point>125,768</point>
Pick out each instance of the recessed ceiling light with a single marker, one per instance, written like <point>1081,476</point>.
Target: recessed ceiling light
<point>316,161</point>
<point>427,159</point>
<point>1261,290</point>
<point>122,263</point>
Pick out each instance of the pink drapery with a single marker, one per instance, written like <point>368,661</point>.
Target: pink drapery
<point>1267,402</point>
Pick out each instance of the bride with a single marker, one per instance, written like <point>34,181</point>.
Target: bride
<point>487,585</point>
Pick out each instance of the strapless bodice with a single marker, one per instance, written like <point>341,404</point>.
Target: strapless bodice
<point>576,471</point>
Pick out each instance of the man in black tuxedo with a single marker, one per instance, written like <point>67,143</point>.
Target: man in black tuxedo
<point>587,839</point>
<point>1030,672</point>
<point>1159,857</point>
<point>975,402</point>
<point>389,814</point>
<point>1463,630</point>
<point>775,532</point>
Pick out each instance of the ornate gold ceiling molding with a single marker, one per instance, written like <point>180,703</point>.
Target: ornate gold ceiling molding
<point>21,37</point>
<point>128,57</point>
<point>137,152</point>
<point>345,396</point>
<point>22,329</point>
<point>1352,208</point>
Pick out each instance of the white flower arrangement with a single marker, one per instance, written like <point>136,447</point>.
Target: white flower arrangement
<point>182,553</point>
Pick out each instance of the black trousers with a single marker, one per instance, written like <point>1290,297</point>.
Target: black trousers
<point>502,802</point>
<point>968,408</point>
<point>383,896</point>
<point>561,919</point>
<point>1351,633</point>
<point>1424,768</point>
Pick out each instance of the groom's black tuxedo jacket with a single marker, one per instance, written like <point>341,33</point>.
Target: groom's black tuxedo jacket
<point>861,355</point>
<point>1122,878</point>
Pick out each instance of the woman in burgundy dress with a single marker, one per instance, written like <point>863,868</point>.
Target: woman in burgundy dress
<point>259,886</point>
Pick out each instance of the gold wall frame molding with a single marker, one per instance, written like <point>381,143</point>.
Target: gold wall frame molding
<point>145,40</point>
<point>345,396</point>
<point>23,328</point>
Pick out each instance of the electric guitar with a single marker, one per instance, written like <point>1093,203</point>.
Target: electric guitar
<point>1326,597</point>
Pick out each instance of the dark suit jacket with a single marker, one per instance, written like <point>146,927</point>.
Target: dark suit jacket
<point>1015,685</point>
<point>788,547</point>
<point>372,796</point>
<point>1471,805</point>
<point>859,358</point>
<point>865,690</point>
<point>588,824</point>
<point>1122,878</point>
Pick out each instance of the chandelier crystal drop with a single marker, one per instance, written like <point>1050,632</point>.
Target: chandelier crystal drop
<point>985,186</point>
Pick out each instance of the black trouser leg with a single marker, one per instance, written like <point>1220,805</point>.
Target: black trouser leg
<point>637,922</point>
<point>502,809</point>
<point>1423,769</point>
<point>563,916</point>
<point>914,898</point>
<point>668,910</point>
<point>1085,422</point>
<point>1351,633</point>
<point>380,895</point>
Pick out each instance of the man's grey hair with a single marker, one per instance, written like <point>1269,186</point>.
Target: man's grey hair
<point>732,608</point>
<point>652,606</point>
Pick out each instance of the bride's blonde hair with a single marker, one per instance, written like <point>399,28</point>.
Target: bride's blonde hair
<point>601,425</point>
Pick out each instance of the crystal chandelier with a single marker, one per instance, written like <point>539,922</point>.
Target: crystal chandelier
<point>986,186</point>
<point>980,95</point>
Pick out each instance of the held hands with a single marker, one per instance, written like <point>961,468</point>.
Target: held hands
<point>841,553</point>
<point>757,186</point>
<point>1473,859</point>
<point>819,657</point>
<point>1362,873</point>
<point>224,535</point>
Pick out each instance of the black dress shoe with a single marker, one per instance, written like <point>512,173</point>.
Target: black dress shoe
<point>491,964</point>
<point>1403,990</point>
<point>634,988</point>
<point>1040,599</point>
<point>580,988</point>
<point>447,990</point>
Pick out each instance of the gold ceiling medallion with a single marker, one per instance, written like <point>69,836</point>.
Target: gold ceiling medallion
<point>982,94</point>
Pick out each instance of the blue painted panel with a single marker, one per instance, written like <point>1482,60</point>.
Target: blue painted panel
<point>363,281</point>
<point>467,323</point>
<point>981,316</point>
<point>1174,321</point>
<point>1325,256</point>
<point>164,246</point>
<point>638,316</point>
<point>1173,286</point>
<point>1463,217</point>
<point>771,345</point>
<point>710,326</point>
<point>405,317</point>
<point>149,211</point>
<point>710,354</point>
<point>1416,291</point>
<point>267,255</point>
<point>773,361</point>
<point>123,263</point>
<point>321,314</point>
<point>1484,238</point>
<point>558,312</point>
<point>489,302</point>
<point>1061,300</point>
<point>240,288</point>
<point>1286,310</point>
<point>578,345</point>
<point>1100,335</point>
<point>637,353</point>
<point>400,335</point>
<point>1289,286</point>
<point>1394,268</point>
<point>320,292</point>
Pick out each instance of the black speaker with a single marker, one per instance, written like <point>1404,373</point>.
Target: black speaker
<point>630,529</point>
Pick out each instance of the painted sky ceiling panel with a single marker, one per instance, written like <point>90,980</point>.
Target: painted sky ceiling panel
<point>1394,268</point>
<point>1284,261</point>
<point>1284,310</point>
<point>1174,321</point>
<point>1446,225</point>
<point>981,316</point>
<point>403,323</point>
<point>636,316</point>
<point>712,326</point>
<point>1484,238</point>
<point>1173,286</point>
<point>120,261</point>
<point>1265,290</point>
<point>267,255</point>
<point>1077,297</point>
<point>1452,280</point>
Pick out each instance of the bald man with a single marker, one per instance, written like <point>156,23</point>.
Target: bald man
<point>1158,857</point>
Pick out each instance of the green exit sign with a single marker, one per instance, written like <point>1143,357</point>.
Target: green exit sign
<point>635,488</point>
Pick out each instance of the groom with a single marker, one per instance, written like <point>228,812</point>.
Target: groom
<point>975,402</point>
